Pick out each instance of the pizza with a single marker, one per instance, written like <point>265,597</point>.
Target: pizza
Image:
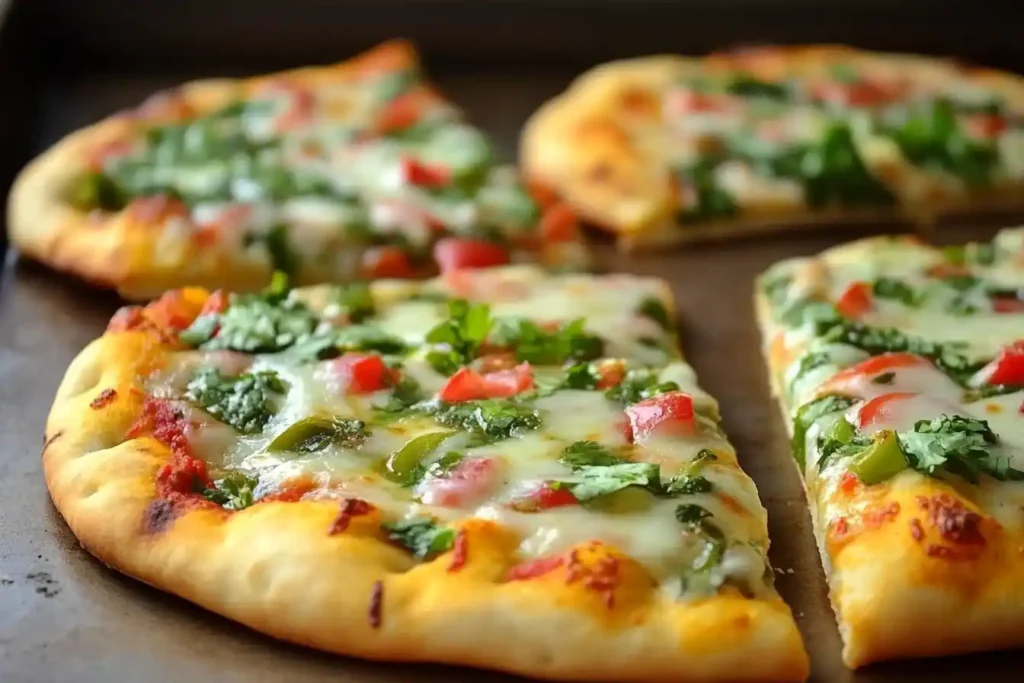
<point>337,173</point>
<point>672,149</point>
<point>502,468</point>
<point>900,371</point>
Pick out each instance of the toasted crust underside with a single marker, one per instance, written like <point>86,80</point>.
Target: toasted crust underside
<point>275,568</point>
<point>891,599</point>
<point>582,145</point>
<point>138,258</point>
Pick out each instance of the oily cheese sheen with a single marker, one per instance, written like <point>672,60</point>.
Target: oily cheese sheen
<point>900,371</point>
<point>669,149</point>
<point>500,468</point>
<point>356,170</point>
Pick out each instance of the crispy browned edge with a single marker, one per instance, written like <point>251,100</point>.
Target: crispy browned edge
<point>119,252</point>
<point>549,154</point>
<point>893,601</point>
<point>275,568</point>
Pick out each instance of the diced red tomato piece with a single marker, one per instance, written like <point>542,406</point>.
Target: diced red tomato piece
<point>985,126</point>
<point>612,373</point>
<point>1004,304</point>
<point>880,408</point>
<point>671,412</point>
<point>453,253</point>
<point>364,373</point>
<point>858,93</point>
<point>542,194</point>
<point>405,110</point>
<point>388,261</point>
<point>217,302</point>
<point>848,483</point>
<point>469,482</point>
<point>300,107</point>
<point>856,300</point>
<point>469,385</point>
<point>689,101</point>
<point>548,495</point>
<point>424,175</point>
<point>875,365</point>
<point>107,151</point>
<point>559,224</point>
<point>155,209</point>
<point>1006,368</point>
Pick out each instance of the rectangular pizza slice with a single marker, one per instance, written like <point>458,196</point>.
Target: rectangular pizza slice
<point>500,468</point>
<point>900,371</point>
<point>356,170</point>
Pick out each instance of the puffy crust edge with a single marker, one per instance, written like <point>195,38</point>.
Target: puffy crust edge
<point>117,251</point>
<point>274,568</point>
<point>892,600</point>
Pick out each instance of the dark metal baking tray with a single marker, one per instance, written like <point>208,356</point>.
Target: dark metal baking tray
<point>64,616</point>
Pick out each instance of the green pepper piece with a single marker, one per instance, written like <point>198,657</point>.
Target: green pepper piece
<point>316,433</point>
<point>880,461</point>
<point>403,467</point>
<point>626,501</point>
<point>97,191</point>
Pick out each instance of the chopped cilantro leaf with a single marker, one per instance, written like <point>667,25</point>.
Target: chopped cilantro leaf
<point>877,340</point>
<point>588,454</point>
<point>698,522</point>
<point>246,402</point>
<point>884,378</point>
<point>581,376</point>
<point>405,394</point>
<point>458,337</point>
<point>538,346</point>
<point>691,513</point>
<point>654,309</point>
<point>603,480</point>
<point>956,444</point>
<point>234,491</point>
<point>354,301</point>
<point>806,416</point>
<point>898,290</point>
<point>689,485</point>
<point>424,537</point>
<point>253,323</point>
<point>639,384</point>
<point>493,418</point>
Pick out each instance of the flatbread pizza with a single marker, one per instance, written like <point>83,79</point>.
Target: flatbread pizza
<point>900,371</point>
<point>501,468</point>
<point>352,171</point>
<point>672,149</point>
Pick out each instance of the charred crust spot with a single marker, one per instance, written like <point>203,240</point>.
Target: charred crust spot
<point>105,398</point>
<point>48,441</point>
<point>159,515</point>
<point>600,173</point>
<point>376,605</point>
<point>601,576</point>
<point>954,522</point>
<point>352,507</point>
<point>459,552</point>
<point>916,531</point>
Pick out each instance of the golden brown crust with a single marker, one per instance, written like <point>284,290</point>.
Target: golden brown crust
<point>583,144</point>
<point>899,587</point>
<point>275,568</point>
<point>137,254</point>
